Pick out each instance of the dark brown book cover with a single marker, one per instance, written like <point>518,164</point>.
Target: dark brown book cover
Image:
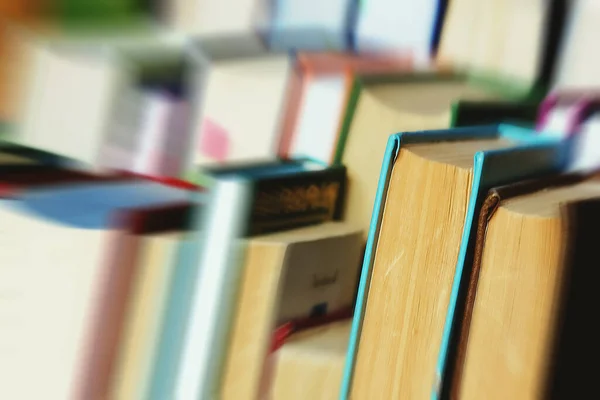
<point>491,203</point>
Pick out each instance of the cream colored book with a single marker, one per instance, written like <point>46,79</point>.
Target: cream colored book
<point>63,260</point>
<point>310,364</point>
<point>242,105</point>
<point>529,318</point>
<point>510,39</point>
<point>144,316</point>
<point>287,275</point>
<point>67,102</point>
<point>49,298</point>
<point>209,18</point>
<point>403,104</point>
<point>397,26</point>
<point>578,61</point>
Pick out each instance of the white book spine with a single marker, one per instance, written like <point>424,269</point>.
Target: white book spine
<point>214,297</point>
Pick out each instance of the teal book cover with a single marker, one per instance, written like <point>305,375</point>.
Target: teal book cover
<point>527,155</point>
<point>165,365</point>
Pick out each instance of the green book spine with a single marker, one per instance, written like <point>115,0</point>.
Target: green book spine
<point>347,121</point>
<point>103,15</point>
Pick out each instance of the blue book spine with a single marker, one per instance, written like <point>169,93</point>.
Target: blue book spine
<point>165,368</point>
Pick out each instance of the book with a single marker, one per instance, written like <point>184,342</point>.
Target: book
<point>24,168</point>
<point>381,105</point>
<point>513,43</point>
<point>149,129</point>
<point>468,113</point>
<point>574,115</point>
<point>161,232</point>
<point>119,146</point>
<point>74,71</point>
<point>242,101</point>
<point>431,182</point>
<point>99,68</point>
<point>207,19</point>
<point>17,179</point>
<point>586,155</point>
<point>165,137</point>
<point>285,276</point>
<point>242,201</point>
<point>537,282</point>
<point>562,112</point>
<point>402,27</point>
<point>310,364</point>
<point>308,25</point>
<point>319,90</point>
<point>64,236</point>
<point>577,61</point>
<point>35,156</point>
<point>112,314</point>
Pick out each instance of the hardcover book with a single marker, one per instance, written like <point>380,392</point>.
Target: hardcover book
<point>430,188</point>
<point>157,236</point>
<point>518,44</point>
<point>242,201</point>
<point>403,27</point>
<point>239,103</point>
<point>577,61</point>
<point>308,24</point>
<point>310,271</point>
<point>531,327</point>
<point>383,104</point>
<point>319,91</point>
<point>310,363</point>
<point>467,113</point>
<point>66,237</point>
<point>562,112</point>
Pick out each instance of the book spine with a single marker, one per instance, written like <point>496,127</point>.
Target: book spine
<point>295,93</point>
<point>298,200</point>
<point>471,113</point>
<point>351,106</point>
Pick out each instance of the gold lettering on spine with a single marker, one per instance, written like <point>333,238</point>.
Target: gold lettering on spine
<point>297,199</point>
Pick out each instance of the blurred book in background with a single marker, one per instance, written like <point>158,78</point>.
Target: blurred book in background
<point>289,275</point>
<point>241,109</point>
<point>63,250</point>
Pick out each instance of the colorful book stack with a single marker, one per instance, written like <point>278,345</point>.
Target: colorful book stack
<point>244,199</point>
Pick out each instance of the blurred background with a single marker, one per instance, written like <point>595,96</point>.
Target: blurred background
<point>187,186</point>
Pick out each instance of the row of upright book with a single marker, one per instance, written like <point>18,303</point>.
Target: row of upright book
<point>217,208</point>
<point>477,279</point>
<point>234,101</point>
